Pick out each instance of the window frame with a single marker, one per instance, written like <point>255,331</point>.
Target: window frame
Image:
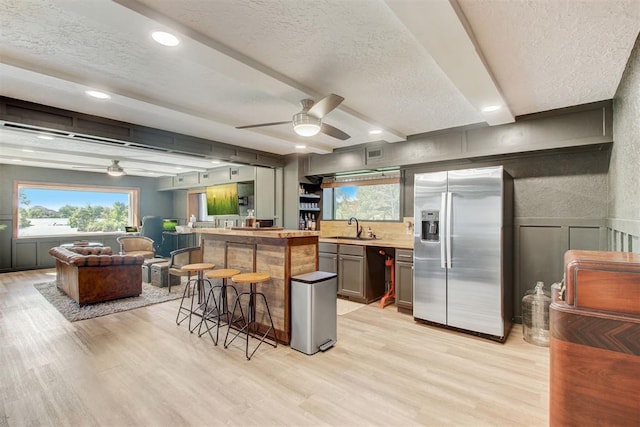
<point>134,204</point>
<point>361,180</point>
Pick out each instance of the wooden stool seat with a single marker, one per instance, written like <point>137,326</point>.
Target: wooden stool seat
<point>251,328</point>
<point>212,317</point>
<point>251,278</point>
<point>197,267</point>
<point>197,286</point>
<point>223,273</point>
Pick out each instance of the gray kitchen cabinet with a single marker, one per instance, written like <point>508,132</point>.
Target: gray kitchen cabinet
<point>241,173</point>
<point>265,193</point>
<point>223,175</point>
<point>404,280</point>
<point>351,277</point>
<point>186,180</point>
<point>165,183</point>
<point>328,257</point>
<point>361,273</point>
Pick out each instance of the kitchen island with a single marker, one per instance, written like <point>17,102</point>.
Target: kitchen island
<point>280,253</point>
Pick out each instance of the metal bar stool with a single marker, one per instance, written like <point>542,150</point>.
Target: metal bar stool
<point>250,327</point>
<point>198,287</point>
<point>221,307</point>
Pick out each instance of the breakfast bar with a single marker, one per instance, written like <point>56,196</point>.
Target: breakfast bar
<point>277,252</point>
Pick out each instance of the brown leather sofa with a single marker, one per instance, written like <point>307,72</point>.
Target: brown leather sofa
<point>595,341</point>
<point>94,274</point>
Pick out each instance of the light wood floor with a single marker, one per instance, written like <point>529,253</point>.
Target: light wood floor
<point>139,368</point>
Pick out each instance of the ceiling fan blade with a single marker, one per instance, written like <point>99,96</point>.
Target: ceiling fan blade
<point>325,105</point>
<point>262,124</point>
<point>89,167</point>
<point>334,132</point>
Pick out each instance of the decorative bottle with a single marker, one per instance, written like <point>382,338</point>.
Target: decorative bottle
<point>250,220</point>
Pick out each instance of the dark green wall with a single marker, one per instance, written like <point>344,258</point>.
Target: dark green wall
<point>547,185</point>
<point>623,220</point>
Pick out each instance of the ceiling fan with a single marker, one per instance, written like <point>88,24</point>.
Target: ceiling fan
<point>114,169</point>
<point>308,122</point>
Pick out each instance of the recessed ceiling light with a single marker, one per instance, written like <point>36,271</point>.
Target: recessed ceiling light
<point>26,150</point>
<point>178,167</point>
<point>165,39</point>
<point>490,108</point>
<point>301,147</point>
<point>97,94</point>
<point>215,162</point>
<point>16,160</point>
<point>47,137</point>
<point>375,131</point>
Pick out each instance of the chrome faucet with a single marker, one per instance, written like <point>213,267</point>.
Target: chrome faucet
<point>358,229</point>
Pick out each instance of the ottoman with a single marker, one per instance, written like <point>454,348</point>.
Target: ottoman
<point>160,275</point>
<point>146,268</point>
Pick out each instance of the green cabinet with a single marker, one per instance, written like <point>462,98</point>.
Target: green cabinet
<point>404,280</point>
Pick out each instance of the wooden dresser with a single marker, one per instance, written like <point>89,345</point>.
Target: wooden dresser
<point>595,341</point>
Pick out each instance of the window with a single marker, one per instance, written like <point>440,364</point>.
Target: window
<point>63,209</point>
<point>371,198</point>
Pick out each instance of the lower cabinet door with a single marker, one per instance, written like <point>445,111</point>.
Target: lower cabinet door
<point>404,286</point>
<point>328,262</point>
<point>351,278</point>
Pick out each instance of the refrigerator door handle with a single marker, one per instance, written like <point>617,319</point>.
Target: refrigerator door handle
<point>448,228</point>
<point>442,241</point>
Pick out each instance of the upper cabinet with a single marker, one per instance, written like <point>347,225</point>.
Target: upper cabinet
<point>227,174</point>
<point>186,180</point>
<point>215,176</point>
<point>263,183</point>
<point>265,193</point>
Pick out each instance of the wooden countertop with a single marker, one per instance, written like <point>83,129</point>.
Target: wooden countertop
<point>287,234</point>
<point>389,243</point>
<point>260,232</point>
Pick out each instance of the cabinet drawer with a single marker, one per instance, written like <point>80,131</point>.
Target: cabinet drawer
<point>404,255</point>
<point>331,248</point>
<point>351,250</point>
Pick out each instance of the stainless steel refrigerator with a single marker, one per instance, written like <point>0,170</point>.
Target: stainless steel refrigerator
<point>463,274</point>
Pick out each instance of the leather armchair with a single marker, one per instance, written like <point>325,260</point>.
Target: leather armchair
<point>90,275</point>
<point>136,245</point>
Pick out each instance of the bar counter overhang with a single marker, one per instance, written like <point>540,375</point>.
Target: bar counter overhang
<point>280,253</point>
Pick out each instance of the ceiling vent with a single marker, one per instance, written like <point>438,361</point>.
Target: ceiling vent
<point>374,154</point>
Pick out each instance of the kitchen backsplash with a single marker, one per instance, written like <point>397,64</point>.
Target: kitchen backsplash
<point>392,231</point>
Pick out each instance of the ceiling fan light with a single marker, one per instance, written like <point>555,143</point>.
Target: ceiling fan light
<point>115,169</point>
<point>305,125</point>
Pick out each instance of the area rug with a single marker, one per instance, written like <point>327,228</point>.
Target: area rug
<point>73,312</point>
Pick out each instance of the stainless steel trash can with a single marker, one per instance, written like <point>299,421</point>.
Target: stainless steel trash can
<point>313,311</point>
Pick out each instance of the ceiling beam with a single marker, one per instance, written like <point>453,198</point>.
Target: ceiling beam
<point>442,29</point>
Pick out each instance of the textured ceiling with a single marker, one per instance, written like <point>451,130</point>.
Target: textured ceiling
<point>406,67</point>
